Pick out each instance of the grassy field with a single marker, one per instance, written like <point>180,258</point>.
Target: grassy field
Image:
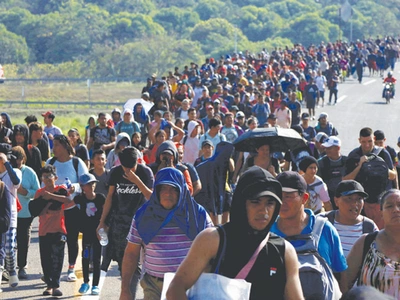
<point>68,116</point>
<point>78,92</point>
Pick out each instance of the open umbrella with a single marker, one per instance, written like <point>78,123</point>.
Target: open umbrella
<point>279,140</point>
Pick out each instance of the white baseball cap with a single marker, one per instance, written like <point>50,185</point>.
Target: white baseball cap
<point>332,141</point>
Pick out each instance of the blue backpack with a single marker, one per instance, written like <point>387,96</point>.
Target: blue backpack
<point>316,277</point>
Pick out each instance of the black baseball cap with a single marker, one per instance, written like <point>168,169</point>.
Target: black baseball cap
<point>267,186</point>
<point>350,187</point>
<point>292,182</point>
<point>305,116</point>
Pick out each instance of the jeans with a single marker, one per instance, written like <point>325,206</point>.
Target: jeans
<point>72,226</point>
<point>91,245</point>
<point>52,247</point>
<point>23,240</point>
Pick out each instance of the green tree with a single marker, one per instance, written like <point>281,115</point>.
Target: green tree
<point>13,47</point>
<point>290,8</point>
<point>159,55</point>
<point>176,20</point>
<point>208,9</point>
<point>259,23</point>
<point>126,27</point>
<point>13,18</point>
<point>310,29</point>
<point>216,35</point>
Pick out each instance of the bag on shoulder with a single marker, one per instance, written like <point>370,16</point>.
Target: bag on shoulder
<point>316,277</point>
<point>5,210</point>
<point>374,176</point>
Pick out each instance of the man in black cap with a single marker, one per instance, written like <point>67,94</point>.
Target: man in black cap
<point>255,206</point>
<point>347,219</point>
<point>308,131</point>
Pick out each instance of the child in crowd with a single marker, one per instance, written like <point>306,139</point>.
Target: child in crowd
<point>52,232</point>
<point>91,208</point>
<point>100,172</point>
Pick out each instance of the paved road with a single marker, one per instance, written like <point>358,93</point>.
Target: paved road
<point>359,105</point>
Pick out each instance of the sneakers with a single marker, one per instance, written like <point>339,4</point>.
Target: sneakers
<point>71,277</point>
<point>84,288</point>
<point>13,281</point>
<point>95,290</point>
<point>22,274</point>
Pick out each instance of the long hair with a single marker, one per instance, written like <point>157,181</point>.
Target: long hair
<point>63,140</point>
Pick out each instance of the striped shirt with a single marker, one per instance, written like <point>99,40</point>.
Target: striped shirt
<point>349,234</point>
<point>166,250</point>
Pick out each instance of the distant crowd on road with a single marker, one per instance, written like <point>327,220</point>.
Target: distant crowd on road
<point>159,175</point>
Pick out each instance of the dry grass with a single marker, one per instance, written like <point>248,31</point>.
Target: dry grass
<point>67,116</point>
<point>69,92</point>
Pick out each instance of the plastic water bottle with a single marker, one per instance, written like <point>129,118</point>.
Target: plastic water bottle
<point>68,183</point>
<point>103,237</point>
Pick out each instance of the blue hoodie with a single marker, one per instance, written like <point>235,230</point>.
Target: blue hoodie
<point>188,215</point>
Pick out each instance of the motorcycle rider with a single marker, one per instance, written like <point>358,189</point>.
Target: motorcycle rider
<point>391,80</point>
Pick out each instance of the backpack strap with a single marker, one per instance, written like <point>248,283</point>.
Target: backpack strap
<point>367,244</point>
<point>367,225</point>
<point>52,160</point>
<point>331,216</point>
<point>75,163</point>
<point>221,249</point>
<point>312,238</point>
<point>312,186</point>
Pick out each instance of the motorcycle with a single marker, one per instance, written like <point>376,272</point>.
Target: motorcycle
<point>388,91</point>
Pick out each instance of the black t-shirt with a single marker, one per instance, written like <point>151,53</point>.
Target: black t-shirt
<point>82,152</point>
<point>89,212</point>
<point>127,196</point>
<point>101,136</point>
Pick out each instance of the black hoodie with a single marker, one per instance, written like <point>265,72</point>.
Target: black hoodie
<point>33,156</point>
<point>268,275</point>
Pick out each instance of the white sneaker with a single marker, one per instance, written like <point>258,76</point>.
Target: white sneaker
<point>13,281</point>
<point>71,277</point>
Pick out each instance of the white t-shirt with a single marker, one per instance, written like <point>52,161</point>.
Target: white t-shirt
<point>5,177</point>
<point>318,192</point>
<point>320,82</point>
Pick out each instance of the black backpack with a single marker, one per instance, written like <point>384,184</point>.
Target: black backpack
<point>374,176</point>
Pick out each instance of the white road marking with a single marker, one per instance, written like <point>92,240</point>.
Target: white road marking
<point>88,295</point>
<point>341,98</point>
<point>369,82</point>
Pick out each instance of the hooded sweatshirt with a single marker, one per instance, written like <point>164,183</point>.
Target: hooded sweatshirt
<point>112,158</point>
<point>191,144</point>
<point>33,155</point>
<point>268,275</point>
<point>170,146</point>
<point>130,127</point>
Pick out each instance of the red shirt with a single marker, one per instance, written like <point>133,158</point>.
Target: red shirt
<point>51,221</point>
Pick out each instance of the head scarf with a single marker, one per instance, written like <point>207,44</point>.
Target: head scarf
<point>8,120</point>
<point>142,117</point>
<point>187,214</point>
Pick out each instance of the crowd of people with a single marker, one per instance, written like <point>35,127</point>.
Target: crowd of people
<point>160,179</point>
